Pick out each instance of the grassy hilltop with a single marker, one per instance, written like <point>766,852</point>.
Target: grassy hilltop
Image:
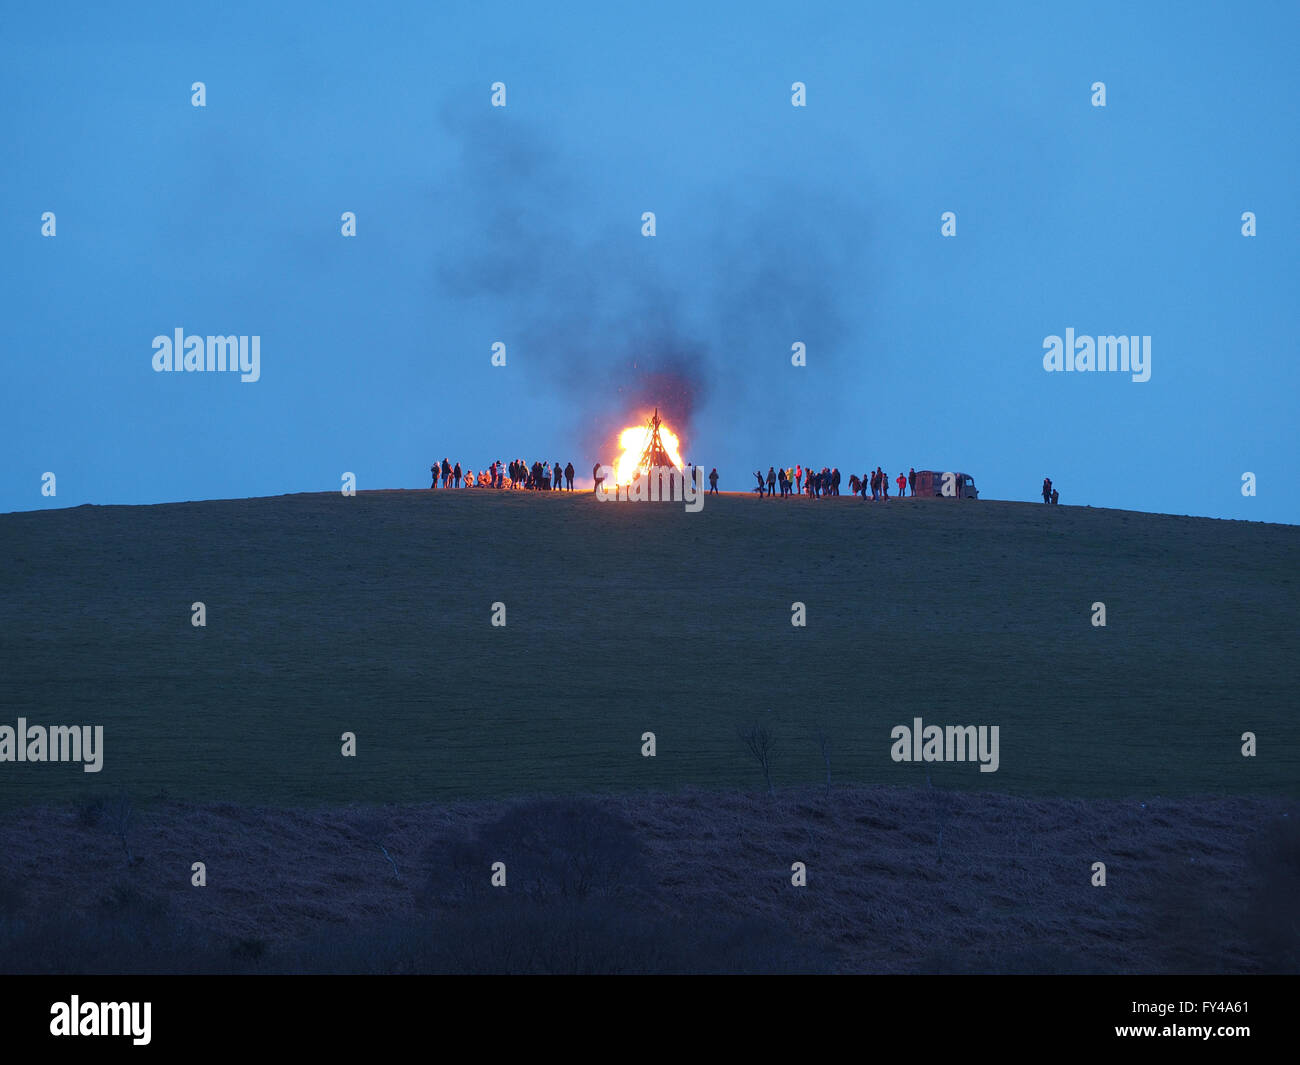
<point>372,614</point>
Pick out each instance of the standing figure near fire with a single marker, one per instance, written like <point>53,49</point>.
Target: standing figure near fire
<point>568,476</point>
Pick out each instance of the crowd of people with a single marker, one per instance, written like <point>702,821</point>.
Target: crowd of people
<point>796,480</point>
<point>793,480</point>
<point>540,476</point>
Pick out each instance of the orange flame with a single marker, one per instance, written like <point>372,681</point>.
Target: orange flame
<point>633,442</point>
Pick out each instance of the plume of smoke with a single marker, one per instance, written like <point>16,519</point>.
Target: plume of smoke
<point>621,330</point>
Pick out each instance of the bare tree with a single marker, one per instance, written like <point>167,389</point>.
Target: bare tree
<point>376,829</point>
<point>760,741</point>
<point>119,820</point>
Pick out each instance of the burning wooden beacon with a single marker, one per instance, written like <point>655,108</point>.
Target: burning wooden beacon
<point>654,453</point>
<point>644,447</point>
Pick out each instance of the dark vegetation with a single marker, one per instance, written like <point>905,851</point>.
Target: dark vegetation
<point>692,884</point>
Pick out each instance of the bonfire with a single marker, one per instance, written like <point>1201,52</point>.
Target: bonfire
<point>645,447</point>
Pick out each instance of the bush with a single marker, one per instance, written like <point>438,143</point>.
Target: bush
<point>89,810</point>
<point>553,848</point>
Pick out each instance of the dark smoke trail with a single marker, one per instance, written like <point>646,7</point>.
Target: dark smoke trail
<point>609,324</point>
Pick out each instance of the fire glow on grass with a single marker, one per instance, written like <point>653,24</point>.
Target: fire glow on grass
<point>643,446</point>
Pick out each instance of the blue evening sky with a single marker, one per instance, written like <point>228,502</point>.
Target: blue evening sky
<point>775,224</point>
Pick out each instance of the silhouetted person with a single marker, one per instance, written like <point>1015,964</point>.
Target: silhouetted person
<point>713,481</point>
<point>595,475</point>
<point>446,473</point>
<point>456,474</point>
<point>1056,497</point>
<point>911,480</point>
<point>568,475</point>
<point>434,470</point>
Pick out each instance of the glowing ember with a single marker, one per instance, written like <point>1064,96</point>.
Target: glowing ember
<point>643,446</point>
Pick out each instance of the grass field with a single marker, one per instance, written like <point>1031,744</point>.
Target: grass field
<point>372,614</point>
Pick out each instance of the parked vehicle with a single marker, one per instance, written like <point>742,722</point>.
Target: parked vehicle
<point>932,482</point>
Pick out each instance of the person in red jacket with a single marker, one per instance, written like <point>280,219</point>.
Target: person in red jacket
<point>901,481</point>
